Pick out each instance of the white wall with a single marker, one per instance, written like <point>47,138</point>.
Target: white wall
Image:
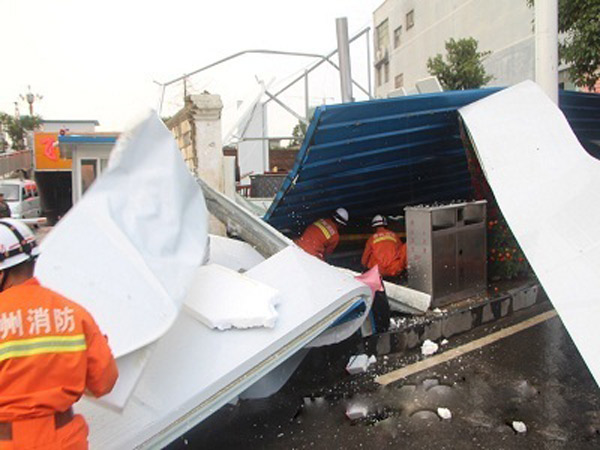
<point>504,27</point>
<point>73,127</point>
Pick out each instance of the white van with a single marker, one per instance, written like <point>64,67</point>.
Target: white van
<point>23,198</point>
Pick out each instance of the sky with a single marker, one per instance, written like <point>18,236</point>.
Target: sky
<point>98,59</point>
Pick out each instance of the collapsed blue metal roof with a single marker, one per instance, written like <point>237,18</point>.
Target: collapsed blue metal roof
<point>381,155</point>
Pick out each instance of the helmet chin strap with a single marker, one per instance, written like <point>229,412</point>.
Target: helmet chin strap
<point>24,246</point>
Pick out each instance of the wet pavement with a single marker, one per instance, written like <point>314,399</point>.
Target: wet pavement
<point>535,376</point>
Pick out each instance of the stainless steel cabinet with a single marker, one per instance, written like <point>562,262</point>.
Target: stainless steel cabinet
<point>446,249</point>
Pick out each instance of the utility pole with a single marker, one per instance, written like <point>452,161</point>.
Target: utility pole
<point>546,47</point>
<point>341,26</point>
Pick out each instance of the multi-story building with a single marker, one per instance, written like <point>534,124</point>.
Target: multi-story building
<point>408,32</point>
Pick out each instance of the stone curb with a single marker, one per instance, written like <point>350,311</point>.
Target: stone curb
<point>455,319</point>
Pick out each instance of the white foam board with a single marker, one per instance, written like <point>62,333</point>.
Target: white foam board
<point>128,249</point>
<point>548,188</point>
<point>222,298</point>
<point>195,370</point>
<point>233,253</point>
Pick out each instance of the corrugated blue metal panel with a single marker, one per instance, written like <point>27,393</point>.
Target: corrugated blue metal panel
<point>381,155</point>
<point>583,114</point>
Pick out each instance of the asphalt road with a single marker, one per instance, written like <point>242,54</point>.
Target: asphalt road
<point>535,376</point>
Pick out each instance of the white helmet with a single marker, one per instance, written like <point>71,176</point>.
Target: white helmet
<point>17,243</point>
<point>341,216</point>
<point>378,221</point>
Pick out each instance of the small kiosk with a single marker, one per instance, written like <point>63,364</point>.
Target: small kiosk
<point>89,153</point>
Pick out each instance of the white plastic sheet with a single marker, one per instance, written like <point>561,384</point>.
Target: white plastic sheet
<point>548,188</point>
<point>128,250</point>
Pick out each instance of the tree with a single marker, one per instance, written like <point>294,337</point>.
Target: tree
<point>299,132</point>
<point>464,69</point>
<point>579,21</point>
<point>16,128</point>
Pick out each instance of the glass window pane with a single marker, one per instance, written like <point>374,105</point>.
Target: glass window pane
<point>410,19</point>
<point>397,37</point>
<point>382,35</point>
<point>11,192</point>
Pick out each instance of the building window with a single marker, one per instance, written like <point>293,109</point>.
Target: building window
<point>410,19</point>
<point>382,35</point>
<point>397,35</point>
<point>386,72</point>
<point>399,81</point>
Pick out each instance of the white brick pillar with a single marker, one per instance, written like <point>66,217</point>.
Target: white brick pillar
<point>206,112</point>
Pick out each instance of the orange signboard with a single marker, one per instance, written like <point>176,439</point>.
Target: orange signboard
<point>47,153</point>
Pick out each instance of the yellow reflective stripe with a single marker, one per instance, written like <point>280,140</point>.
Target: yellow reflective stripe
<point>323,228</point>
<point>389,237</point>
<point>42,345</point>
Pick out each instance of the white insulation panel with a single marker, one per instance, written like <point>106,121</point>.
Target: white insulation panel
<point>127,251</point>
<point>195,369</point>
<point>548,188</point>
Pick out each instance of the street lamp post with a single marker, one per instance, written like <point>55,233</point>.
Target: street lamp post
<point>30,98</point>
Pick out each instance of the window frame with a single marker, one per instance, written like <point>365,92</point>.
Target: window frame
<point>401,77</point>
<point>410,19</point>
<point>398,37</point>
<point>378,29</point>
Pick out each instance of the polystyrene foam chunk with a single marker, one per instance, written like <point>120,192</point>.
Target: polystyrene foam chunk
<point>357,364</point>
<point>429,348</point>
<point>519,426</point>
<point>233,254</point>
<point>444,413</point>
<point>222,298</point>
<point>355,412</point>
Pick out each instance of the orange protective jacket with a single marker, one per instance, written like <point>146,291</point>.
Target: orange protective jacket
<point>320,238</point>
<point>51,351</point>
<point>385,249</point>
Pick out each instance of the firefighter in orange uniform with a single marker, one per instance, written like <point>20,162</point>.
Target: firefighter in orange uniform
<point>385,249</point>
<point>51,351</point>
<point>322,237</point>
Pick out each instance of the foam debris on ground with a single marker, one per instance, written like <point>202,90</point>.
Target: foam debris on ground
<point>360,363</point>
<point>519,426</point>
<point>355,412</point>
<point>429,348</point>
<point>444,413</point>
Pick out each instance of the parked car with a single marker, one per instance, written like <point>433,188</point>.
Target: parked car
<point>23,198</point>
